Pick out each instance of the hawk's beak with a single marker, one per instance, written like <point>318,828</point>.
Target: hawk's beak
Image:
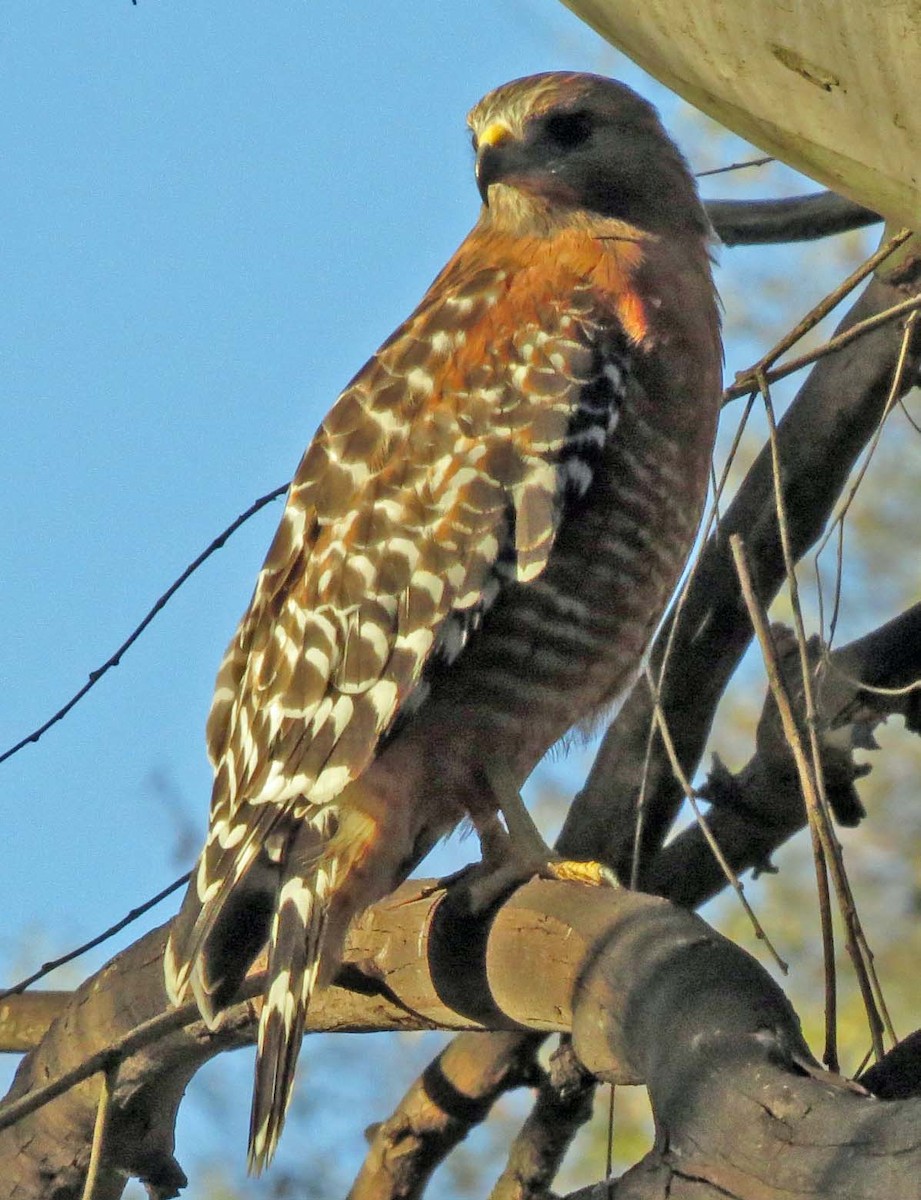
<point>490,144</point>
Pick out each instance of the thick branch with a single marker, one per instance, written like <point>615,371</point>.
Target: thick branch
<point>791,219</point>
<point>757,810</point>
<point>455,1091</point>
<point>648,990</point>
<point>562,1106</point>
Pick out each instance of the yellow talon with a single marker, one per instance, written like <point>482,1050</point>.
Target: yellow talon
<point>593,873</point>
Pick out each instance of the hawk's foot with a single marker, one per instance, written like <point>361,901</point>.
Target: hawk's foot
<point>594,873</point>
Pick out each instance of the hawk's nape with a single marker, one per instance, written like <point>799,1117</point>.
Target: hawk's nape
<point>476,549</point>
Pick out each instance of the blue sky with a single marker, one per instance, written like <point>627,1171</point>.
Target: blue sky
<point>212,215</point>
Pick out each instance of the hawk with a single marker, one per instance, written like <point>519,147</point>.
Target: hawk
<point>475,550</point>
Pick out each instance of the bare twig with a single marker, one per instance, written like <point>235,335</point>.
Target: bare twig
<point>828,850</point>
<point>736,166</point>
<point>746,381</point>
<point>655,682</point>
<point>841,511</point>
<point>778,689</point>
<point>858,949</point>
<point>99,1134</point>
<point>761,807</point>
<point>133,915</point>
<point>142,1035</point>
<point>908,417</point>
<point>825,306</point>
<point>731,877</point>
<point>114,659</point>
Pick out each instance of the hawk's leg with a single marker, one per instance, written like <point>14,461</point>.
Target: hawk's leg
<point>516,852</point>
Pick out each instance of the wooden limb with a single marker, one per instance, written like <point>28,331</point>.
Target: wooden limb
<point>897,1076</point>
<point>563,1105</point>
<point>648,991</point>
<point>48,1148</point>
<point>25,1017</point>
<point>755,811</point>
<point>791,219</point>
<point>453,1094</point>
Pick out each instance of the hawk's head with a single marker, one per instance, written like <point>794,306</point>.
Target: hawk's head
<point>584,142</point>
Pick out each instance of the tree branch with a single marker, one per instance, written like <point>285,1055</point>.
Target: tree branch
<point>455,1092</point>
<point>791,219</point>
<point>649,992</point>
<point>563,1105</point>
<point>757,810</point>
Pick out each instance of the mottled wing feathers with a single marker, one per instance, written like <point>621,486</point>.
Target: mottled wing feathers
<point>445,446</point>
<point>440,475</point>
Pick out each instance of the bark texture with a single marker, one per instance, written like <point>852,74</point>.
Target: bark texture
<point>649,992</point>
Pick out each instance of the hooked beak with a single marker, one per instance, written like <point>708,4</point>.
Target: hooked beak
<point>489,160</point>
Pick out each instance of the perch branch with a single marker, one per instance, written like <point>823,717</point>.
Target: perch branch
<point>648,991</point>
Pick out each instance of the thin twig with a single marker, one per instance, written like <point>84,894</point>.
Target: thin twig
<point>746,381</point>
<point>811,773</point>
<point>99,1133</point>
<point>833,299</point>
<point>48,967</point>
<point>609,1149</point>
<point>711,521</point>
<point>778,688</point>
<point>841,512</point>
<point>908,417</point>
<point>111,1056</point>
<point>174,587</point>
<point>856,942</point>
<point>818,814</point>
<point>859,685</point>
<point>736,166</point>
<point>141,1036</point>
<point>731,877</point>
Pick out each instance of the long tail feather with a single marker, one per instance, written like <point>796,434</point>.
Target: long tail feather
<point>294,958</point>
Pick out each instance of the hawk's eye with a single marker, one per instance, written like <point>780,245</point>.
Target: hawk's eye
<point>568,130</point>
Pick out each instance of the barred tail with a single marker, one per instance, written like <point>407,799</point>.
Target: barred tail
<point>294,958</point>
<point>296,887</point>
<point>329,877</point>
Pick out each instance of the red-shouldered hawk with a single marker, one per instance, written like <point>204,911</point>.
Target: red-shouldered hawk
<point>475,551</point>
